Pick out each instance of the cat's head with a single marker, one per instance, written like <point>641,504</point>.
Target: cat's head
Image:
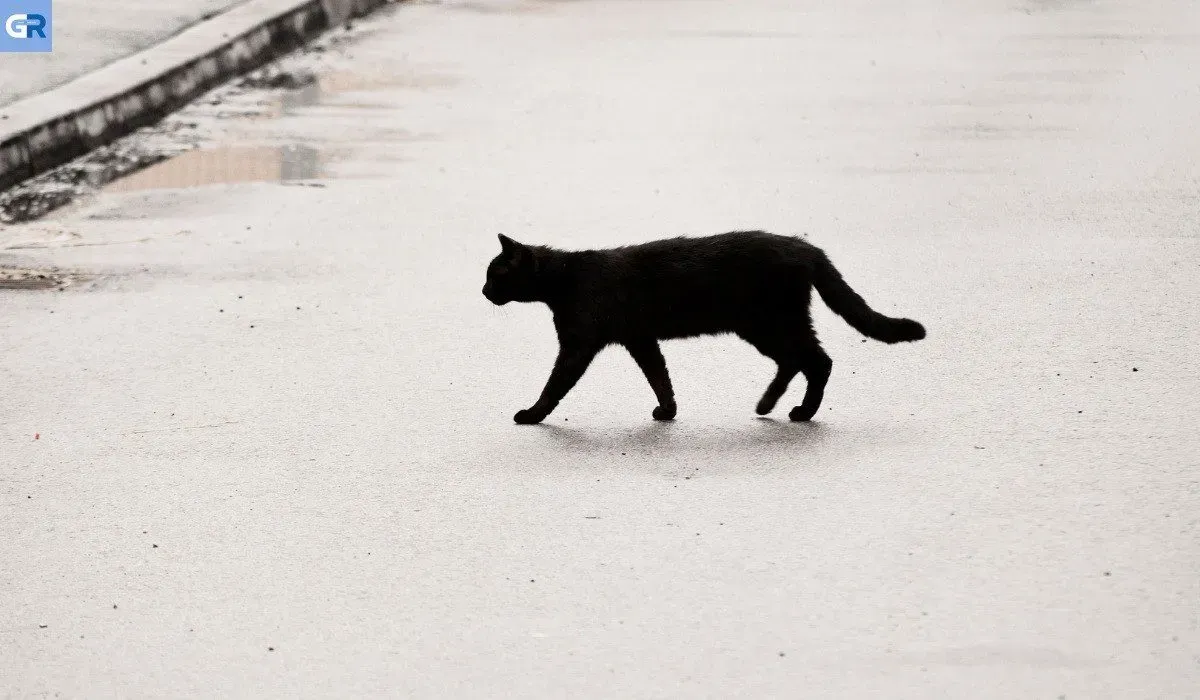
<point>512,275</point>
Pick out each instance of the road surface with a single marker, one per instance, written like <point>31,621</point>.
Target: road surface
<point>263,445</point>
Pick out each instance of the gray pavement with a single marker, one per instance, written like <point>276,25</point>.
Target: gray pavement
<point>92,33</point>
<point>274,454</point>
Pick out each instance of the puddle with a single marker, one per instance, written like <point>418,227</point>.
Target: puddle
<point>35,198</point>
<point>291,92</point>
<point>226,165</point>
<point>243,133</point>
<point>288,163</point>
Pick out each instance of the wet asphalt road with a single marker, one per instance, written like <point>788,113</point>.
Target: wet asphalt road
<point>263,447</point>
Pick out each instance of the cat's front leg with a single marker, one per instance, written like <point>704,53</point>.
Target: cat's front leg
<point>570,365</point>
<point>648,356</point>
<point>530,416</point>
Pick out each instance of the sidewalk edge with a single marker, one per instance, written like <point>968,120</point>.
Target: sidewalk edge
<point>44,131</point>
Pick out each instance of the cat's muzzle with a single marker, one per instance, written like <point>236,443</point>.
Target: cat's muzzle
<point>490,294</point>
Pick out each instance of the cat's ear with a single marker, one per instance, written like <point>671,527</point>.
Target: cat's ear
<point>511,248</point>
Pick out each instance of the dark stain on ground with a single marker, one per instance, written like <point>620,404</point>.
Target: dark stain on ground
<point>35,279</point>
<point>273,79</point>
<point>35,198</point>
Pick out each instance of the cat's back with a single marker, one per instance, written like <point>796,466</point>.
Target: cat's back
<point>680,287</point>
<point>723,252</point>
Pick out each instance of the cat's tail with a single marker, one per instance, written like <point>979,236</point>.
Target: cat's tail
<point>845,302</point>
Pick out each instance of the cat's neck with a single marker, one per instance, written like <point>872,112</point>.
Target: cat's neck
<point>555,275</point>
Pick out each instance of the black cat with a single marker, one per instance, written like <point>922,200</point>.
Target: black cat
<point>752,283</point>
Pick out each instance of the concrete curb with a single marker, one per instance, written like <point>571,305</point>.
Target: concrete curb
<point>44,131</point>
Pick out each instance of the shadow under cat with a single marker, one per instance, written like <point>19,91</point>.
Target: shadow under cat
<point>661,436</point>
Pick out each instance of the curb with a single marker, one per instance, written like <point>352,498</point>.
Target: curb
<point>44,131</point>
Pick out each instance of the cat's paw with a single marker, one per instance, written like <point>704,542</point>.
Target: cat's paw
<point>802,414</point>
<point>664,412</point>
<point>528,416</point>
<point>764,407</point>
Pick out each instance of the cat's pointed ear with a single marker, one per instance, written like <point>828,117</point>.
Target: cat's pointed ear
<point>511,249</point>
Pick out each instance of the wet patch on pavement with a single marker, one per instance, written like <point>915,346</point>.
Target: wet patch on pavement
<point>225,165</point>
<point>241,132</point>
<point>41,195</point>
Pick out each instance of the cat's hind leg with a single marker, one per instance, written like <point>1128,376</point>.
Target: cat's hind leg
<point>781,349</point>
<point>794,352</point>
<point>816,366</point>
<point>775,390</point>
<point>648,356</point>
